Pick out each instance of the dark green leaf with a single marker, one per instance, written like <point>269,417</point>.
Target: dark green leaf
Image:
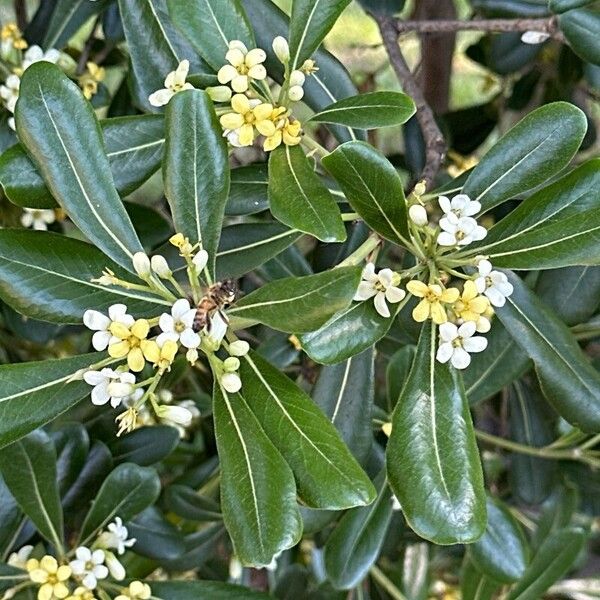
<point>72,444</point>
<point>475,585</point>
<point>11,518</point>
<point>383,7</point>
<point>582,28</point>
<point>67,17</point>
<point>397,372</point>
<point>561,6</point>
<point>203,590</point>
<point>190,505</point>
<point>155,537</point>
<point>200,546</point>
<point>151,226</point>
<point>248,193</point>
<point>146,446</point>
<point>432,457</point>
<point>328,476</point>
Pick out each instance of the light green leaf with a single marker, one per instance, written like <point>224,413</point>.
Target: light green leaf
<point>567,378</point>
<point>372,186</point>
<point>533,151</point>
<point>299,199</point>
<point>258,493</point>
<point>327,475</point>
<point>196,170</point>
<point>432,457</point>
<point>582,28</point>
<point>50,116</point>
<point>368,111</point>
<point>300,304</point>
<point>29,470</point>
<point>33,394</point>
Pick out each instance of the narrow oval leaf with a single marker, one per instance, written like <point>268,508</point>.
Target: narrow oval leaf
<point>397,372</point>
<point>248,193</point>
<point>432,457</point>
<point>476,586</point>
<point>372,186</point>
<point>196,169</point>
<point>556,227</point>
<point>299,199</point>
<point>146,446</point>
<point>11,519</point>
<point>534,150</point>
<point>190,505</point>
<point>354,546</point>
<point>199,547</point>
<point>582,28</point>
<point>560,6</point>
<point>156,538</point>
<point>48,276</point>
<point>203,590</point>
<point>33,394</point>
<point>67,17</point>
<point>567,378</point>
<point>368,111</point>
<point>125,493</point>
<point>210,25</point>
<point>300,304</point>
<point>327,475</point>
<point>258,493</point>
<point>50,116</point>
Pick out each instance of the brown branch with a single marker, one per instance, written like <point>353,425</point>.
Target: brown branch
<point>435,146</point>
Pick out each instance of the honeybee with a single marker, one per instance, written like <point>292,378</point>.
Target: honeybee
<point>218,296</point>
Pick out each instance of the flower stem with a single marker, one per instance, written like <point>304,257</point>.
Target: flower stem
<point>382,579</point>
<point>314,145</point>
<point>361,252</point>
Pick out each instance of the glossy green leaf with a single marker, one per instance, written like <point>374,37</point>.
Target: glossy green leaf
<point>298,197</point>
<point>33,394</point>
<point>203,590</point>
<point>72,444</point>
<point>356,542</point>
<point>156,537</point>
<point>50,116</point>
<point>415,572</point>
<point>368,111</point>
<point>345,392</point>
<point>190,505</point>
<point>196,169</point>
<point>581,29</point>
<point>300,304</point>
<point>501,553</point>
<point>533,151</point>
<point>11,519</point>
<point>258,493</point>
<point>556,227</point>
<point>146,446</point>
<point>372,186</point>
<point>310,22</point>
<point>210,25</point>
<point>561,6</point>
<point>29,470</point>
<point>557,512</point>
<point>125,493</point>
<point>432,457</point>
<point>553,560</point>
<point>568,380</point>
<point>476,586</point>
<point>248,192</point>
<point>397,372</point>
<point>327,474</point>
<point>67,17</point>
<point>49,276</point>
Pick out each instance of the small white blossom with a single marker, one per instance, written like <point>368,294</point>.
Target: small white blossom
<point>231,382</point>
<point>493,284</point>
<point>281,49</point>
<point>457,343</point>
<point>177,326</point>
<point>89,566</point>
<point>200,259</point>
<point>192,356</point>
<point>239,348</point>
<point>534,37</point>
<point>297,78</point>
<point>231,364</point>
<point>244,66</point>
<point>179,415</point>
<point>160,266</point>
<point>460,232</point>
<point>100,323</point>
<point>296,93</point>
<point>141,264</point>
<point>460,206</point>
<point>112,386</point>
<point>38,218</point>
<point>19,559</point>
<point>117,537</point>
<point>35,54</point>
<point>418,215</point>
<point>382,286</point>
<point>174,82</point>
<point>115,568</point>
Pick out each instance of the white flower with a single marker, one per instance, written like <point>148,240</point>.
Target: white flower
<point>89,566</point>
<point>19,559</point>
<point>174,82</point>
<point>179,415</point>
<point>35,54</point>
<point>243,67</point>
<point>231,382</point>
<point>38,218</point>
<point>418,215</point>
<point>177,326</point>
<point>493,284</point>
<point>457,343</point>
<point>9,92</point>
<point>460,232</point>
<point>534,37</point>
<point>113,386</point>
<point>382,285</point>
<point>460,206</point>
<point>281,49</point>
<point>100,323</point>
<point>117,537</point>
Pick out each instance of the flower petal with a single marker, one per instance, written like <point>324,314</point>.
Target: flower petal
<point>189,338</point>
<point>365,291</point>
<point>227,73</point>
<point>460,359</point>
<point>475,344</point>
<point>421,312</point>
<point>446,239</point>
<point>444,352</point>
<point>95,320</point>
<point>380,305</point>
<point>100,340</point>
<point>180,308</point>
<point>448,332</point>
<point>394,294</point>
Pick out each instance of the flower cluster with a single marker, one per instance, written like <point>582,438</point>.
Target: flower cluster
<point>460,309</point>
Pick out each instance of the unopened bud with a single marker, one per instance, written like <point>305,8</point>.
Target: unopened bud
<point>418,215</point>
<point>141,264</point>
<point>115,568</point>
<point>219,93</point>
<point>192,356</point>
<point>200,259</point>
<point>231,382</point>
<point>281,49</point>
<point>175,414</point>
<point>420,188</point>
<point>296,93</point>
<point>231,364</point>
<point>297,78</point>
<point>239,348</point>
<point>160,266</point>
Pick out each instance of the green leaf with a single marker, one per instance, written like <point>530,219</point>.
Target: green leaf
<point>397,372</point>
<point>475,585</point>
<point>203,590</point>
<point>196,170</point>
<point>210,25</point>
<point>33,394</point>
<point>67,17</point>
<point>568,380</point>
<point>146,446</point>
<point>299,199</point>
<point>432,457</point>
<point>561,6</point>
<point>415,573</point>
<point>190,505</point>
<point>248,193</point>
<point>327,475</point>
<point>533,151</point>
<point>355,544</point>
<point>125,493</point>
<point>556,227</point>
<point>553,560</point>
<point>372,186</point>
<point>72,444</point>
<point>49,276</point>
<point>156,538</point>
<point>501,553</point>
<point>29,470</point>
<point>382,7</point>
<point>310,22</point>
<point>345,392</point>
<point>300,304</point>
<point>368,111</point>
<point>11,519</point>
<point>50,116</point>
<point>258,493</point>
<point>245,246</point>
<point>199,547</point>
<point>582,28</point>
